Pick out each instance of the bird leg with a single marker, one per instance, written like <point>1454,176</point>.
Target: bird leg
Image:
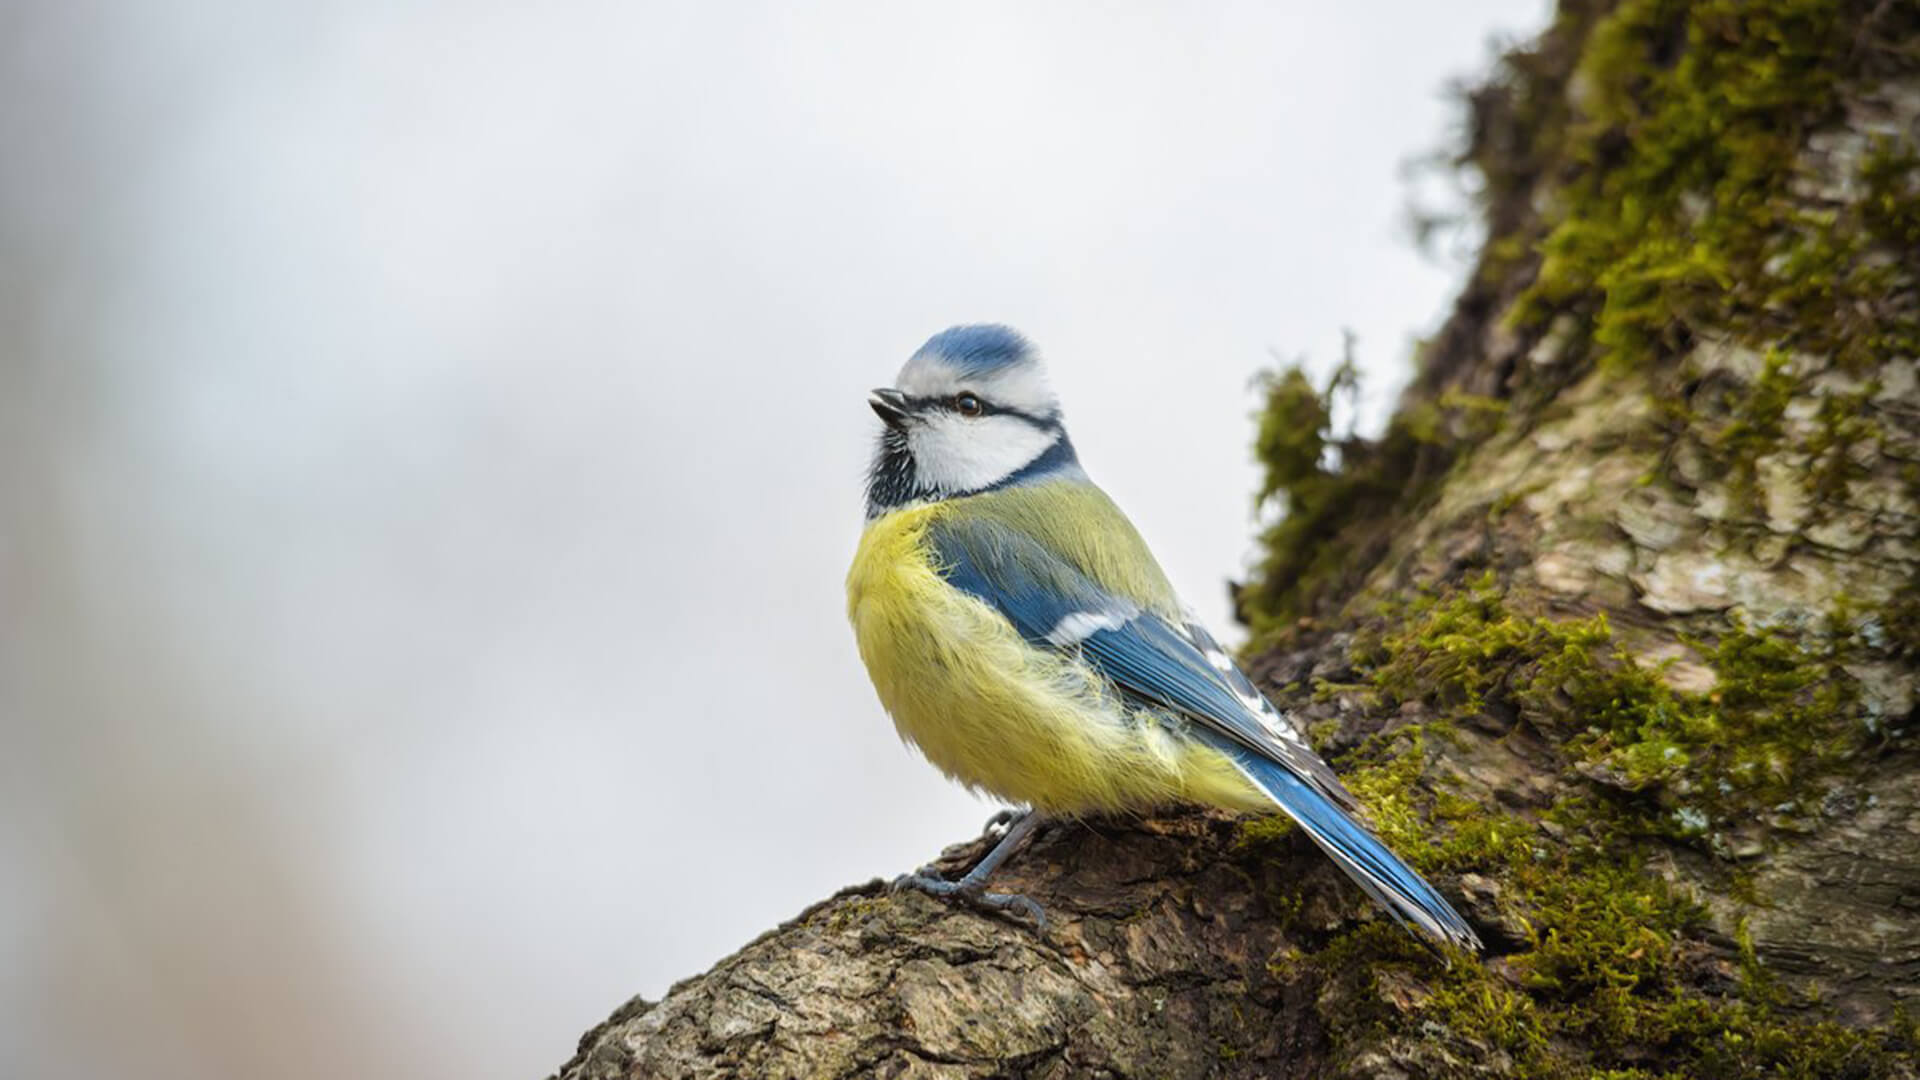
<point>972,888</point>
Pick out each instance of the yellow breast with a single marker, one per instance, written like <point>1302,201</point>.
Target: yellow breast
<point>1028,724</point>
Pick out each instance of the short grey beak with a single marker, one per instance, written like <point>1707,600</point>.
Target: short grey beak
<point>892,406</point>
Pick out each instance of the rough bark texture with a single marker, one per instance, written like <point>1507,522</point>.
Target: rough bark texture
<point>1614,631</point>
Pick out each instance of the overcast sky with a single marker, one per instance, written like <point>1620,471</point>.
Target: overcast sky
<point>430,449</point>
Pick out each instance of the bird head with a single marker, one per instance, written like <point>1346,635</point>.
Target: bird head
<point>970,412</point>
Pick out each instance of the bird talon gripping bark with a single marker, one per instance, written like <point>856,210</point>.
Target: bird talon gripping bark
<point>973,894</point>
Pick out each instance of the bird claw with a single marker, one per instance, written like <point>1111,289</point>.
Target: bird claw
<point>972,893</point>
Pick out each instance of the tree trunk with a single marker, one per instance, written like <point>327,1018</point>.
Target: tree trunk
<point>1613,630</point>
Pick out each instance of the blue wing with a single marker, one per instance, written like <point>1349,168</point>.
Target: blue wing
<point>1179,667</point>
<point>1173,665</point>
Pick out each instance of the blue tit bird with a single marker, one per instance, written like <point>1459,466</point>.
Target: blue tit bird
<point>1022,636</point>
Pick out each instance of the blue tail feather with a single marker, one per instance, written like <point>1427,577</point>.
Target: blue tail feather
<point>1391,883</point>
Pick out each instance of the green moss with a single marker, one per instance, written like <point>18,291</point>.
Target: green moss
<point>1843,425</point>
<point>1294,430</point>
<point>1679,209</point>
<point>1890,208</point>
<point>1603,990</point>
<point>1335,488</point>
<point>1756,422</point>
<point>1683,765</point>
<point>1323,484</point>
<point>1604,985</point>
<point>1264,833</point>
<point>1743,423</point>
<point>851,912</point>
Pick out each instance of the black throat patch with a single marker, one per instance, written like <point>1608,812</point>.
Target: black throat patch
<point>891,480</point>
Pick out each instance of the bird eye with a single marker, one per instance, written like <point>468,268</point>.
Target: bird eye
<point>968,405</point>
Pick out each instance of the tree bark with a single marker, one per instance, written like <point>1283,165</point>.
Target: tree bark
<point>1614,631</point>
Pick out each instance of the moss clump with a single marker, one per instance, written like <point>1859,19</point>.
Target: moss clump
<point>1890,208</point>
<point>1336,488</point>
<point>1325,483</point>
<point>1607,979</point>
<point>1295,428</point>
<point>1679,204</point>
<point>1605,986</point>
<point>1737,424</point>
<point>1676,764</point>
<point>851,912</point>
<point>1755,424</point>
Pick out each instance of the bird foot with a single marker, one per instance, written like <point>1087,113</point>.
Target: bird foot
<point>972,893</point>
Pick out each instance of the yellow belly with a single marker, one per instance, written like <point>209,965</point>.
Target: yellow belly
<point>1026,724</point>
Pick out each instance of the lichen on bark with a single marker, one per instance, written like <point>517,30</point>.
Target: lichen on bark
<point>1614,630</point>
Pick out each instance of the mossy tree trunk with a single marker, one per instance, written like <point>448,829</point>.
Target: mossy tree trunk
<point>1614,630</point>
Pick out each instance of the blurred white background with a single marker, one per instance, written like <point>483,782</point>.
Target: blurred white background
<point>431,438</point>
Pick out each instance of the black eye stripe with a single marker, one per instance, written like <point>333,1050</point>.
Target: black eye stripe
<point>921,403</point>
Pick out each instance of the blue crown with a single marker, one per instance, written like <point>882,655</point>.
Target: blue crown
<point>979,349</point>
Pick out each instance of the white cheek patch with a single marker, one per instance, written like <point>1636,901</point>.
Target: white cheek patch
<point>953,453</point>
